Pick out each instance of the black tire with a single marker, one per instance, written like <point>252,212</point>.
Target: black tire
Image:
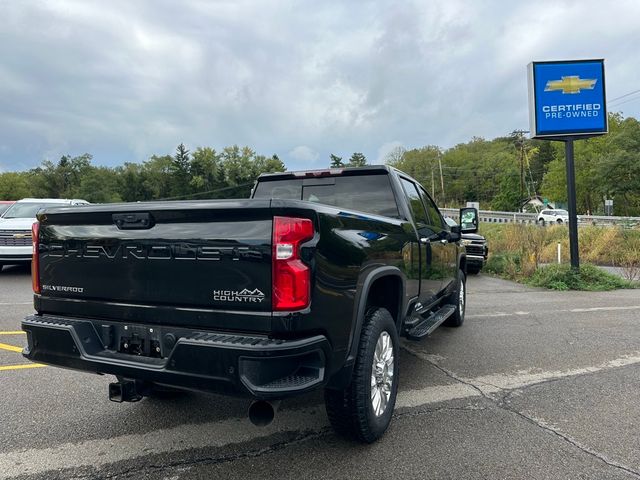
<point>541,221</point>
<point>457,318</point>
<point>351,411</point>
<point>473,270</point>
<point>559,221</point>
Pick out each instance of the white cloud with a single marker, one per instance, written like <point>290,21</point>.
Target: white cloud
<point>304,154</point>
<point>385,149</point>
<point>123,80</point>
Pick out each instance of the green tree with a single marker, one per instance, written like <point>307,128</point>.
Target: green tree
<point>242,166</point>
<point>158,176</point>
<point>508,198</point>
<point>15,186</point>
<point>336,161</point>
<point>605,166</point>
<point>618,168</point>
<point>99,185</point>
<point>180,171</point>
<point>133,182</point>
<point>542,154</point>
<point>357,160</point>
<point>206,172</point>
<point>60,180</point>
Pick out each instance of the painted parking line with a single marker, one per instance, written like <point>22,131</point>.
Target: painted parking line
<point>102,451</point>
<point>10,348</point>
<point>13,332</point>
<point>603,309</point>
<point>572,310</point>
<point>21,366</point>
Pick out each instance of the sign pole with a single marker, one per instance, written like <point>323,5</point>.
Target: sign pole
<point>567,102</point>
<point>571,195</point>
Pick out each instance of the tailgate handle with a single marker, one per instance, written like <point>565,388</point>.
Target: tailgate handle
<point>133,221</point>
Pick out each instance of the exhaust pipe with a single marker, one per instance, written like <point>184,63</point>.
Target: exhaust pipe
<point>262,413</point>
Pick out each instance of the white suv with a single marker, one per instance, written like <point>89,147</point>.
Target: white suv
<point>553,216</point>
<point>15,227</point>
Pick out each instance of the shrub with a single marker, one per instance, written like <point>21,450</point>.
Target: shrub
<point>589,277</point>
<point>611,245</point>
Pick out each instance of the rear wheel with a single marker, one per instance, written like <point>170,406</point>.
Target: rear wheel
<point>459,299</point>
<point>363,410</point>
<point>559,221</point>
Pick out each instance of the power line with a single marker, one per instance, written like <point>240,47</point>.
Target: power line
<point>182,197</point>
<point>623,96</point>
<point>626,101</point>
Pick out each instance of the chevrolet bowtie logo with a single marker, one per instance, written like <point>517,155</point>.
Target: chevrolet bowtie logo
<point>570,84</point>
<point>20,235</point>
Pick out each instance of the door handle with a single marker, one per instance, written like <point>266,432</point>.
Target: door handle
<point>425,240</point>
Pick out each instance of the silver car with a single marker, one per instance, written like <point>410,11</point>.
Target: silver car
<point>553,215</point>
<point>15,227</point>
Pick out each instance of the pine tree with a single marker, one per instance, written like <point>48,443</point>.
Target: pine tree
<point>357,160</point>
<point>336,161</point>
<point>180,166</point>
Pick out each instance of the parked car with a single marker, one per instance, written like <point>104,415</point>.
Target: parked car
<point>4,204</point>
<point>15,227</point>
<point>553,215</point>
<point>476,248</point>
<point>307,285</point>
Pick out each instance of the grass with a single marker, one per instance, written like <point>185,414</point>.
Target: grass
<point>517,252</point>
<point>589,277</point>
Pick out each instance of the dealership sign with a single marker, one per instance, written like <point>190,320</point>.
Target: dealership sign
<point>567,99</point>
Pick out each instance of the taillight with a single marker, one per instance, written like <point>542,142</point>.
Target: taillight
<point>291,277</point>
<point>35,259</point>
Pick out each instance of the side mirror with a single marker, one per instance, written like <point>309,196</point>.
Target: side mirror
<point>454,234</point>
<point>468,220</point>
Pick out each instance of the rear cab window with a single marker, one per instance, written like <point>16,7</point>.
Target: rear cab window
<point>371,193</point>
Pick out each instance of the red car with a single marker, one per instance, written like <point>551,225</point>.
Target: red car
<point>4,204</point>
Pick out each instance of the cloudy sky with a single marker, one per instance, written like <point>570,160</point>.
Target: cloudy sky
<point>123,80</point>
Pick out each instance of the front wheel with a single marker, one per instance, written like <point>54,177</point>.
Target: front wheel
<point>364,409</point>
<point>473,270</point>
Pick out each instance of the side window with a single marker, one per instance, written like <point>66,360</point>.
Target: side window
<point>419,214</point>
<point>434,213</point>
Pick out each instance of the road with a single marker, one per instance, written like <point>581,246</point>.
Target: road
<point>536,384</point>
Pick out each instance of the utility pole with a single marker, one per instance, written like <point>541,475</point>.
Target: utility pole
<point>433,182</point>
<point>518,136</point>
<point>441,180</point>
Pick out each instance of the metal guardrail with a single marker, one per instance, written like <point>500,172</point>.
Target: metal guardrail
<point>489,216</point>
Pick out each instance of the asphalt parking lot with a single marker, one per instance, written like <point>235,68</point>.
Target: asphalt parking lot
<point>536,384</point>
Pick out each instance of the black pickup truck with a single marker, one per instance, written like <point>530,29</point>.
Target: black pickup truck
<point>306,285</point>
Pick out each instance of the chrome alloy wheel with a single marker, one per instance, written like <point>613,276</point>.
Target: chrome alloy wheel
<point>461,297</point>
<point>382,374</point>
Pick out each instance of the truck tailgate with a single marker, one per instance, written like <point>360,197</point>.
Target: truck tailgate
<point>205,256</point>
